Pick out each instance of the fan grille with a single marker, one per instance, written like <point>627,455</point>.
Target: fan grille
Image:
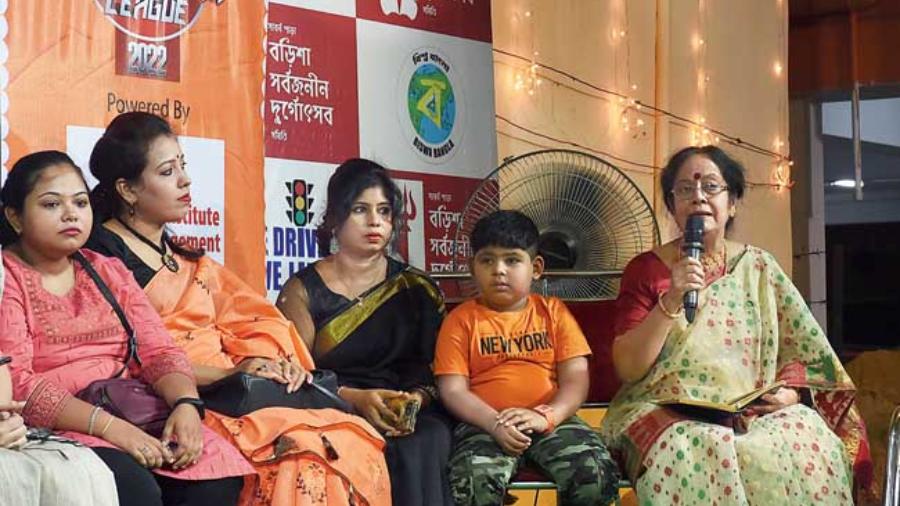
<point>592,219</point>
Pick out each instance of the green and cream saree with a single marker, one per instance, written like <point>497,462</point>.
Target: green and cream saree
<point>752,329</point>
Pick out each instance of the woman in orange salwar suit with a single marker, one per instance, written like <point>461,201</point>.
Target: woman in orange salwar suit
<point>226,327</point>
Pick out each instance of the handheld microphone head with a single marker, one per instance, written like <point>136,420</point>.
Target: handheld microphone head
<point>692,246</point>
<point>693,236</point>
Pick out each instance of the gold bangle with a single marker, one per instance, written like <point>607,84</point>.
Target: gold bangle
<point>673,315</point>
<point>105,427</point>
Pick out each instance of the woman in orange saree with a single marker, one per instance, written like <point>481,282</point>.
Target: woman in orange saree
<point>301,457</point>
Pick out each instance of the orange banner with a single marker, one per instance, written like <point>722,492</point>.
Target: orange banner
<point>72,66</point>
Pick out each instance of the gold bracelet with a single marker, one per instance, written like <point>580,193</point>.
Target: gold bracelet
<point>662,307</point>
<point>105,427</point>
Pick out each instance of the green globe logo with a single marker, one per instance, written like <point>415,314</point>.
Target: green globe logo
<point>431,104</point>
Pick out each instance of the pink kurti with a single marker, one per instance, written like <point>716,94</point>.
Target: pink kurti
<point>60,344</point>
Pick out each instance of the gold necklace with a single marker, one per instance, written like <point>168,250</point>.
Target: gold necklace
<point>714,265</point>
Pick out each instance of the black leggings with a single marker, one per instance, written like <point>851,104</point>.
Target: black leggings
<point>137,486</point>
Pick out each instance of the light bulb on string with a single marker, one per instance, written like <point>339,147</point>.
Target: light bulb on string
<point>698,41</point>
<point>701,80</point>
<point>781,174</point>
<point>778,144</point>
<point>630,119</point>
<point>527,79</point>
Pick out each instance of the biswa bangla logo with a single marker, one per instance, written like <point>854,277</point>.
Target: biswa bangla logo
<point>432,105</point>
<point>153,20</point>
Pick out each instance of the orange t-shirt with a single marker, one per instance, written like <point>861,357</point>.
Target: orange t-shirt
<point>509,357</point>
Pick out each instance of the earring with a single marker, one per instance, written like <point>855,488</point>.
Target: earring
<point>131,209</point>
<point>333,245</point>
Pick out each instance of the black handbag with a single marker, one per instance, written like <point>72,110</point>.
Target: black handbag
<point>242,393</point>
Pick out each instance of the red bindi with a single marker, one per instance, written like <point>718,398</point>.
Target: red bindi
<point>697,175</point>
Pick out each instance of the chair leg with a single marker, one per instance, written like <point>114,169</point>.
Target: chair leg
<point>891,492</point>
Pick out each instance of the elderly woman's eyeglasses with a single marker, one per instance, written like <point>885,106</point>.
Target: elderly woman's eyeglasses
<point>686,190</point>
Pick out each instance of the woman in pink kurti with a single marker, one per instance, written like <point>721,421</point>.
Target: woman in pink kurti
<point>63,335</point>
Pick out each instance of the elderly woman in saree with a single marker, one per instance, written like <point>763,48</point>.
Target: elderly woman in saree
<point>302,457</point>
<point>797,444</point>
<point>374,321</point>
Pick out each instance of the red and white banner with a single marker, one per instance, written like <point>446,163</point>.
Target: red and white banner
<point>267,99</point>
<point>407,83</point>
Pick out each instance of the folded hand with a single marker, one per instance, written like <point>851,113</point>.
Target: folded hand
<point>770,403</point>
<point>185,429</point>
<point>283,371</point>
<point>12,430</point>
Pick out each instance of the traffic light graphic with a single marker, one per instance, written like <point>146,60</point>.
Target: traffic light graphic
<point>299,202</point>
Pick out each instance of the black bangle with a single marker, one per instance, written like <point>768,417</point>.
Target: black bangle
<point>5,359</point>
<point>198,404</point>
<point>430,391</point>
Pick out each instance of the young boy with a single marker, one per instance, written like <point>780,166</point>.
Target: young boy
<point>512,366</point>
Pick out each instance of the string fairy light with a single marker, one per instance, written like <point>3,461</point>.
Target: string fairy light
<point>632,111</point>
<point>718,135</point>
<point>781,173</point>
<point>627,110</point>
<point>651,169</point>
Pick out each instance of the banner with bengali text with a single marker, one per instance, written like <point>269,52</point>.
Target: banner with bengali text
<point>71,67</point>
<point>267,98</point>
<point>407,83</point>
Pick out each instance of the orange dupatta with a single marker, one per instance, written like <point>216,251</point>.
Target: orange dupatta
<point>219,321</point>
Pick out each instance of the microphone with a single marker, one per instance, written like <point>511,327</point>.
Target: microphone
<point>692,246</point>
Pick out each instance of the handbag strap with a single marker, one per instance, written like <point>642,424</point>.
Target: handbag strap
<point>107,294</point>
<point>327,393</point>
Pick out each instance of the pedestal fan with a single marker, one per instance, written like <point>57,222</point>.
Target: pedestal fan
<point>592,220</point>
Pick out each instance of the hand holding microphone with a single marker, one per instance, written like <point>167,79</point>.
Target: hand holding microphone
<point>688,275</point>
<point>692,247</point>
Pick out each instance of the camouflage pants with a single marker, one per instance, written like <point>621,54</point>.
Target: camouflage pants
<point>573,456</point>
